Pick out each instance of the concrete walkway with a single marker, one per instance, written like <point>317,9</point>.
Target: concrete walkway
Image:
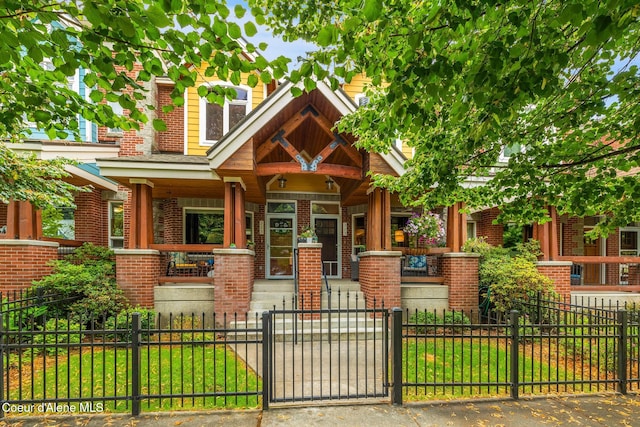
<point>605,410</point>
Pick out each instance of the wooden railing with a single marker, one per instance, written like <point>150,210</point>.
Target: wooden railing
<point>605,272</point>
<point>186,262</point>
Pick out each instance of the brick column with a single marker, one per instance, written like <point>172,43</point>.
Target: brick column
<point>23,261</point>
<point>310,277</point>
<point>460,270</point>
<point>380,278</point>
<point>560,273</point>
<point>137,272</point>
<point>233,282</point>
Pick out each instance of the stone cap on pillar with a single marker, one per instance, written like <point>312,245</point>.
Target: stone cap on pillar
<point>380,254</point>
<point>18,242</point>
<point>309,245</point>
<point>136,252</point>
<point>461,255</point>
<point>233,251</point>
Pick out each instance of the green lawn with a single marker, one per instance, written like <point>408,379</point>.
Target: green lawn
<point>445,363</point>
<point>106,372</point>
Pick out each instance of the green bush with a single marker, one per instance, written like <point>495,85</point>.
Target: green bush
<point>424,321</point>
<point>122,321</point>
<point>83,286</point>
<point>57,331</point>
<point>509,279</point>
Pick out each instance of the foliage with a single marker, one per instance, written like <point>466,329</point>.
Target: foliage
<point>122,322</point>
<point>512,235</point>
<point>15,317</point>
<point>83,285</point>
<point>57,331</point>
<point>479,245</point>
<point>308,231</point>
<point>46,43</point>
<point>510,279</point>
<point>427,229</point>
<point>462,82</point>
<point>429,321</point>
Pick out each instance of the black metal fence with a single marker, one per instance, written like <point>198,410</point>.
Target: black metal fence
<point>547,347</point>
<point>126,363</point>
<point>150,362</point>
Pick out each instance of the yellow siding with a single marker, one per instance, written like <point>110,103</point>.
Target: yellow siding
<point>193,111</point>
<point>356,86</point>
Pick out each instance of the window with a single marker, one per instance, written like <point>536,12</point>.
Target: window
<point>58,222</point>
<point>361,99</point>
<point>359,234</point>
<point>471,229</point>
<point>216,121</point>
<point>509,150</point>
<point>207,226</point>
<point>117,111</point>
<point>398,236</point>
<point>116,225</point>
<point>203,226</point>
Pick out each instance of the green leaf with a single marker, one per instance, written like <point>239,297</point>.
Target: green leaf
<point>372,9</point>
<point>159,125</point>
<point>239,11</point>
<point>158,17</point>
<point>234,30</point>
<point>325,36</point>
<point>250,29</point>
<point>96,96</point>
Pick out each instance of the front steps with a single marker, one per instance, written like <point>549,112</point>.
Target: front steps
<point>343,323</point>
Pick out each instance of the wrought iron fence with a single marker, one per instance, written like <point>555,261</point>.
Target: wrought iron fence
<point>552,347</point>
<point>126,363</point>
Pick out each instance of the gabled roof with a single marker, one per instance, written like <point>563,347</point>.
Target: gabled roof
<point>270,108</point>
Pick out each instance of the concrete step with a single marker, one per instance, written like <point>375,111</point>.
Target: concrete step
<point>286,328</point>
<point>273,286</point>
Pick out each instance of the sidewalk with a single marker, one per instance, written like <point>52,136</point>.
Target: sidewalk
<point>605,410</point>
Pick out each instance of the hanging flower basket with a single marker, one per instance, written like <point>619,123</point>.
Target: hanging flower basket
<point>426,230</point>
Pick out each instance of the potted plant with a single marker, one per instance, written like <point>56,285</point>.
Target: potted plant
<point>426,230</point>
<point>250,245</point>
<point>308,235</point>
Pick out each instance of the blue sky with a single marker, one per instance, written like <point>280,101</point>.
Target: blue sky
<point>277,46</point>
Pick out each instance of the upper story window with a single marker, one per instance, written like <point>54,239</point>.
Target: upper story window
<point>215,121</point>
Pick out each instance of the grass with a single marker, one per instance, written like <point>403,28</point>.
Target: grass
<point>105,372</point>
<point>438,366</point>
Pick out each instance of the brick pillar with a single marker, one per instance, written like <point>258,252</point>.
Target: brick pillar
<point>23,261</point>
<point>460,270</point>
<point>560,273</point>
<point>137,272</point>
<point>380,278</point>
<point>310,277</point>
<point>233,282</point>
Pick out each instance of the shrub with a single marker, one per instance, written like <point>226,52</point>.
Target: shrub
<point>83,286</point>
<point>122,322</point>
<point>424,321</point>
<point>508,279</point>
<point>57,331</point>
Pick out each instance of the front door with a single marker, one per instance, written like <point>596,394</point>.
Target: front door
<point>280,243</point>
<point>592,271</point>
<point>327,232</point>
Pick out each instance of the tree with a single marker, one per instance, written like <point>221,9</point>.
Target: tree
<point>44,43</point>
<point>460,81</point>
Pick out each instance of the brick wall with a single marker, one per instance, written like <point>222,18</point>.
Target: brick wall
<point>560,273</point>
<point>572,236</point>
<point>91,218</point>
<point>486,228</point>
<point>172,218</point>
<point>460,271</point>
<point>380,278</point>
<point>310,278</point>
<point>137,274</point>
<point>304,215</point>
<point>24,261</point>
<point>612,248</point>
<point>171,140</point>
<point>233,281</point>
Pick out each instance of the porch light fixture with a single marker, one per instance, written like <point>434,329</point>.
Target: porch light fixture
<point>282,182</point>
<point>399,236</point>
<point>329,183</point>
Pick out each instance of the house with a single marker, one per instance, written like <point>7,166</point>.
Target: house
<point>217,201</point>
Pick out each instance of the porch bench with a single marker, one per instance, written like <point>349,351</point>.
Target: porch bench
<point>180,265</point>
<point>419,265</point>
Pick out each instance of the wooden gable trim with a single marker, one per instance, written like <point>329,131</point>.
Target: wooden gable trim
<point>242,159</point>
<point>351,172</point>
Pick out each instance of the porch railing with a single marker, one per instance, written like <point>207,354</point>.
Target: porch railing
<point>604,271</point>
<point>186,261</point>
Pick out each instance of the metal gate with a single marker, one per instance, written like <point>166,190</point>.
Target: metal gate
<point>315,355</point>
